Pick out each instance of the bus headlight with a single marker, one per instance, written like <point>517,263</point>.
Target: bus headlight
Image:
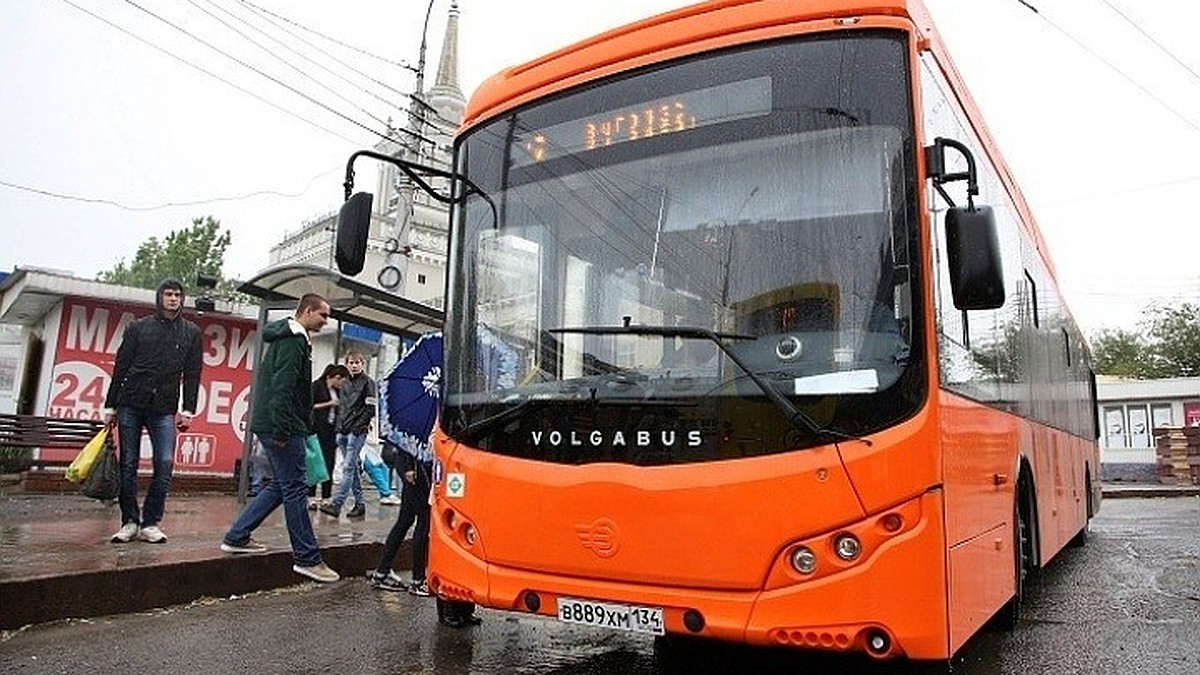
<point>804,560</point>
<point>847,547</point>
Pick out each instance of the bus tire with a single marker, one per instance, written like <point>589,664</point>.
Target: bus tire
<point>1081,537</point>
<point>456,613</point>
<point>1009,616</point>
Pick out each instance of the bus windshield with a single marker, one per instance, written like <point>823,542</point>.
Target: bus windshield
<point>702,260</point>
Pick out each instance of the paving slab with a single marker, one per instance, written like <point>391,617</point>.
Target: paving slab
<point>56,559</point>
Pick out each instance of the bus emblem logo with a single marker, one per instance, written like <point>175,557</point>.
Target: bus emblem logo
<point>599,537</point>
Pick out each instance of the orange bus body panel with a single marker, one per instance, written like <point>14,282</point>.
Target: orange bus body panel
<point>652,525</point>
<point>680,567</point>
<point>979,446</point>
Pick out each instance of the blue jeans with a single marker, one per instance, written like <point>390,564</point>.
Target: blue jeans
<point>287,487</point>
<point>351,445</point>
<point>161,428</point>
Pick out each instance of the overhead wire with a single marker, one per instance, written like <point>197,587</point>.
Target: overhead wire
<point>275,19</point>
<point>309,59</point>
<point>223,80</point>
<point>1116,10</point>
<point>285,62</point>
<point>1112,66</point>
<point>211,74</point>
<point>447,126</point>
<point>336,41</point>
<point>166,205</point>
<point>259,71</point>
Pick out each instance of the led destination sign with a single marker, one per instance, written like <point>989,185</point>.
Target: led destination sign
<point>668,115</point>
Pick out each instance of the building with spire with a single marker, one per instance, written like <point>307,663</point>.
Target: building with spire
<point>406,249</point>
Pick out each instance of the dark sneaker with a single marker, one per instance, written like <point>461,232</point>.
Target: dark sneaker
<point>419,588</point>
<point>250,546</point>
<point>330,510</point>
<point>359,511</point>
<point>387,582</point>
<point>373,575</point>
<point>319,572</point>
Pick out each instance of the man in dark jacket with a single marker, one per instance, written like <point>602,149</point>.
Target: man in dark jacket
<point>158,355</point>
<point>281,418</point>
<point>356,413</point>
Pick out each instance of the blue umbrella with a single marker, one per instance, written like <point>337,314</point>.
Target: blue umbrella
<point>408,397</point>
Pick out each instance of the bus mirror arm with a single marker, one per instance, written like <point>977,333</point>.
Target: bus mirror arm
<point>354,219</point>
<point>935,168</point>
<point>973,251</point>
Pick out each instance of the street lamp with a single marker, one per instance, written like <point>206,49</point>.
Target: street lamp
<point>421,55</point>
<point>418,94</point>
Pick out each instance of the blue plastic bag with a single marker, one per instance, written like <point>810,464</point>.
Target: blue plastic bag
<point>378,473</point>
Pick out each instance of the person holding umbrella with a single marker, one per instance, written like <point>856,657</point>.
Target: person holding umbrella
<point>409,400</point>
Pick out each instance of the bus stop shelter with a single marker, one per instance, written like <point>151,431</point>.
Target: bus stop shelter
<point>350,301</point>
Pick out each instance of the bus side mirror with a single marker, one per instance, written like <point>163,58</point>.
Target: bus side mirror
<point>353,226</point>
<point>973,253</point>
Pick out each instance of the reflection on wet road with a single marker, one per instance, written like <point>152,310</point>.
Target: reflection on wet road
<point>1128,602</point>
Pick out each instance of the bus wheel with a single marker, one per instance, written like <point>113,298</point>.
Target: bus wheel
<point>456,613</point>
<point>1081,537</point>
<point>1009,616</point>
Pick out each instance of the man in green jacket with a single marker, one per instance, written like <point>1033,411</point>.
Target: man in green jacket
<point>281,420</point>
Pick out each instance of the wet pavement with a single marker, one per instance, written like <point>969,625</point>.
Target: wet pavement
<point>56,560</point>
<point>1128,602</point>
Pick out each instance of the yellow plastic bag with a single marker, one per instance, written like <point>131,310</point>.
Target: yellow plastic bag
<point>82,465</point>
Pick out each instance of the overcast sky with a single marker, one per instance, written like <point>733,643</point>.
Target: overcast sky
<point>1095,104</point>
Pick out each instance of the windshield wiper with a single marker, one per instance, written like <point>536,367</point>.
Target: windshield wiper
<point>795,416</point>
<point>477,430</point>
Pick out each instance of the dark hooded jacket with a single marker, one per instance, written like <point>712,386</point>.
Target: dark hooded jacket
<point>282,387</point>
<point>158,355</point>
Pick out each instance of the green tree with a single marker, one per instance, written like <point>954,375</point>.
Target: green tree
<point>1166,344</point>
<point>182,254</point>
<point>1121,353</point>
<point>1174,334</point>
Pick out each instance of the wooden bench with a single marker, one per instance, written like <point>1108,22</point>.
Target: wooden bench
<point>36,431</point>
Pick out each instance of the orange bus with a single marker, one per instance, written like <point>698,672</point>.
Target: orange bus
<point>751,336</point>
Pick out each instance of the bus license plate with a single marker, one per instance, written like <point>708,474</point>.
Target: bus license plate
<point>607,615</point>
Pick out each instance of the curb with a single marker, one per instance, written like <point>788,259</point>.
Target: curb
<point>1148,490</point>
<point>136,589</point>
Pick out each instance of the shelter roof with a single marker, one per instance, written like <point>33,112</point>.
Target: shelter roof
<point>349,300</point>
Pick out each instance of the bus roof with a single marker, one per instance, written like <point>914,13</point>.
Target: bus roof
<point>698,27</point>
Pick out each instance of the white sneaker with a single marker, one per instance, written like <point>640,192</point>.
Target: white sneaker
<point>389,500</point>
<point>152,535</point>
<point>319,572</point>
<point>127,533</point>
